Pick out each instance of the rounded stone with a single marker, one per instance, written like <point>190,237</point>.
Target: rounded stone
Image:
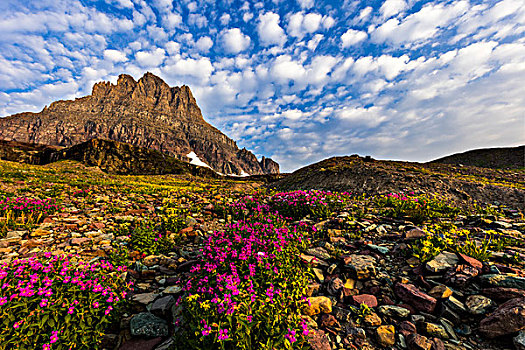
<point>478,304</point>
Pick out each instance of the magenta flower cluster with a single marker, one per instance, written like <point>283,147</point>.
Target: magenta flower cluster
<point>250,273</point>
<point>56,287</point>
<point>28,205</point>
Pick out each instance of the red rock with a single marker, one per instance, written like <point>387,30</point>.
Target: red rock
<point>471,261</point>
<point>418,342</point>
<point>48,221</point>
<point>406,328</point>
<point>99,225</point>
<point>71,226</point>
<point>366,299</point>
<point>415,297</point>
<point>503,293</point>
<point>507,319</point>
<point>318,340</point>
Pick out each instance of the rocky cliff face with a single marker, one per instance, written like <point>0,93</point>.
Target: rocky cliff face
<point>146,113</point>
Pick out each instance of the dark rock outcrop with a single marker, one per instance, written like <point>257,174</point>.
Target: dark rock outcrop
<point>145,113</point>
<point>110,156</point>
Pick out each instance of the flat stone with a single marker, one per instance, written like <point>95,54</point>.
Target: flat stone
<point>379,249</point>
<point>319,252</point>
<point>507,319</point>
<point>455,305</point>
<point>434,330</point>
<point>470,261</point>
<point>318,305</point>
<point>386,335</point>
<point>367,299</point>
<point>318,340</point>
<point>312,260</point>
<point>442,262</point>
<point>172,290</point>
<point>415,297</point>
<point>393,311</point>
<point>148,325</point>
<point>144,298</point>
<point>362,266</point>
<point>372,320</point>
<point>162,306</point>
<point>503,280</point>
<point>478,304</point>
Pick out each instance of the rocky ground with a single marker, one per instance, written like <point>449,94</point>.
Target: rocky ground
<point>371,286</point>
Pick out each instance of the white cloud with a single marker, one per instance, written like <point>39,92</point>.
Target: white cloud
<point>151,58</point>
<point>247,16</point>
<point>392,7</point>
<point>204,44</point>
<point>352,37</point>
<point>115,55</point>
<point>285,69</point>
<point>172,47</point>
<point>328,22</point>
<point>197,20</point>
<point>269,30</point>
<point>314,42</point>
<point>225,19</point>
<point>234,41</point>
<point>420,26</point>
<point>306,4</point>
<point>201,68</point>
<point>172,20</point>
<point>365,13</point>
<point>299,24</point>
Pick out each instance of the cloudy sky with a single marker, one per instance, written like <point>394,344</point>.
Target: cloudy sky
<point>297,80</point>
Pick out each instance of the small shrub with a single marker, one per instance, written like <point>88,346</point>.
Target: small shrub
<point>147,239</point>
<point>314,204</point>
<point>417,209</point>
<point>24,213</point>
<point>56,303</point>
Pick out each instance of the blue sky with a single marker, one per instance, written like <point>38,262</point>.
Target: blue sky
<point>297,81</point>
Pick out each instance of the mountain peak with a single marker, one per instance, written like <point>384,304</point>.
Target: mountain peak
<point>145,113</point>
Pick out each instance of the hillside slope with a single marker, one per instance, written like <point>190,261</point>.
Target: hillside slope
<point>357,174</point>
<point>505,157</point>
<point>110,156</point>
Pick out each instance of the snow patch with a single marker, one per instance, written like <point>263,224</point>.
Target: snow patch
<point>243,174</point>
<point>195,160</point>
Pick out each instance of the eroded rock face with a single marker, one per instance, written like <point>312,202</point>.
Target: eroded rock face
<point>146,113</point>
